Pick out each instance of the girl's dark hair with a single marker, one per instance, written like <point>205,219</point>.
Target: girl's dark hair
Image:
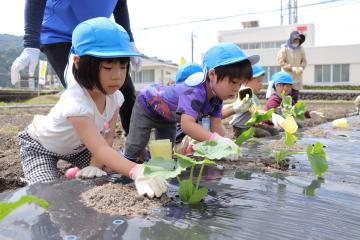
<point>88,72</point>
<point>241,69</point>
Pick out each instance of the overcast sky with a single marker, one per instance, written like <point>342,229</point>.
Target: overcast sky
<point>336,22</point>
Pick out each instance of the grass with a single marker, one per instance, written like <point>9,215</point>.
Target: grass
<point>44,99</point>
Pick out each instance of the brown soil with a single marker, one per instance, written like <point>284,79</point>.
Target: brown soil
<point>118,199</point>
<point>14,120</point>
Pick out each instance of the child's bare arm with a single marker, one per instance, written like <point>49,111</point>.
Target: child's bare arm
<point>110,135</point>
<point>216,126</point>
<point>99,148</point>
<point>194,130</point>
<point>227,111</point>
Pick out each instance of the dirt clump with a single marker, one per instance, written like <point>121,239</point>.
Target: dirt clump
<point>119,199</point>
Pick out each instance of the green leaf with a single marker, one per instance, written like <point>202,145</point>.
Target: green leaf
<point>6,208</point>
<point>298,110</point>
<point>290,139</point>
<point>286,105</point>
<point>186,190</point>
<point>198,195</point>
<point>317,158</point>
<point>212,150</point>
<point>281,154</point>
<point>245,136</point>
<point>166,168</point>
<point>184,161</point>
<point>207,162</point>
<point>168,164</point>
<point>258,117</point>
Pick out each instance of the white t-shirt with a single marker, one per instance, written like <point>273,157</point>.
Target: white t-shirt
<point>55,132</point>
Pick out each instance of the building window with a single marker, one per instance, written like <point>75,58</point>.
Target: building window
<point>270,70</point>
<point>260,45</point>
<point>145,76</point>
<point>148,76</point>
<point>332,73</point>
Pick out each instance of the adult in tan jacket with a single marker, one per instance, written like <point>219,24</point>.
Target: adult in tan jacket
<point>292,59</point>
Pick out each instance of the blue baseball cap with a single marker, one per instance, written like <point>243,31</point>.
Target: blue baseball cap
<point>281,77</point>
<point>225,54</point>
<point>186,71</point>
<point>101,37</point>
<point>257,70</point>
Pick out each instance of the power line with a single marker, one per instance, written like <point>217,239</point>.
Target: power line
<point>237,15</point>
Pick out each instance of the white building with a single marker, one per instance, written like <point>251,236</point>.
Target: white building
<point>152,71</point>
<point>327,65</point>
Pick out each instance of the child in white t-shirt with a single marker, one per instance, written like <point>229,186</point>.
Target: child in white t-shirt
<point>80,127</point>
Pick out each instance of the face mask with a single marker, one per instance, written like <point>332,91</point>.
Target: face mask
<point>295,45</point>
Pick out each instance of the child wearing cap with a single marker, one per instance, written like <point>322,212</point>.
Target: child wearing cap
<point>245,105</point>
<point>80,128</point>
<point>282,83</point>
<point>225,68</point>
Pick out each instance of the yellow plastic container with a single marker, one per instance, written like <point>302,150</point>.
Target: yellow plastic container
<point>340,123</point>
<point>161,148</point>
<point>289,125</point>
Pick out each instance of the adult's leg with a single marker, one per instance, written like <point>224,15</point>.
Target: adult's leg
<point>128,90</point>
<point>58,54</point>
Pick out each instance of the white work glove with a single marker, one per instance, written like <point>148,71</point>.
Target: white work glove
<point>277,120</point>
<point>135,61</point>
<point>28,57</point>
<point>90,172</point>
<point>244,104</point>
<point>297,70</point>
<point>223,140</point>
<point>316,114</point>
<point>151,186</point>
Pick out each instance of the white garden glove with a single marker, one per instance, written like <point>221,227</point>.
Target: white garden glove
<point>277,120</point>
<point>243,104</point>
<point>135,61</point>
<point>316,114</point>
<point>90,172</point>
<point>151,186</point>
<point>28,57</point>
<point>297,70</point>
<point>223,140</point>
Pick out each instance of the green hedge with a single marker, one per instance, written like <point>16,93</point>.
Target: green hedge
<point>337,87</point>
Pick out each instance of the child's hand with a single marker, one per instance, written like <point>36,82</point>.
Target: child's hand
<point>223,140</point>
<point>90,172</point>
<point>151,186</point>
<point>242,105</point>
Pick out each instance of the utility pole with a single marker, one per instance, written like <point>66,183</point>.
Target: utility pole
<point>293,17</point>
<point>292,11</point>
<point>192,46</point>
<point>281,13</point>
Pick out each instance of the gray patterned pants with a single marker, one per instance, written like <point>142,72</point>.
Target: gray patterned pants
<point>40,165</point>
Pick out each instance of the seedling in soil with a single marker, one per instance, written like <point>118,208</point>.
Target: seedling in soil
<point>287,109</point>
<point>169,168</point>
<point>256,118</point>
<point>317,158</point>
<point>7,207</point>
<point>282,154</point>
